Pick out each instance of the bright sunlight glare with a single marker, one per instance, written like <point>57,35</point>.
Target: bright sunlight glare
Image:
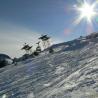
<point>86,11</point>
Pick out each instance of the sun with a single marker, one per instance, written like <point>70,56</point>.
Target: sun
<point>87,11</point>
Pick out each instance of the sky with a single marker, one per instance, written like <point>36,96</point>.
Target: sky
<point>24,21</point>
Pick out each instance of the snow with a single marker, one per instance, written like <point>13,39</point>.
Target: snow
<point>48,84</point>
<point>4,96</point>
<point>31,95</point>
<point>71,73</point>
<point>59,70</point>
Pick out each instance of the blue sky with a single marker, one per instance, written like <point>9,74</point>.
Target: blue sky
<point>25,20</point>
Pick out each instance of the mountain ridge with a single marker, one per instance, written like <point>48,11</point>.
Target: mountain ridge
<point>70,72</point>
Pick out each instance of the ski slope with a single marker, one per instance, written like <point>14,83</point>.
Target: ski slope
<point>70,72</point>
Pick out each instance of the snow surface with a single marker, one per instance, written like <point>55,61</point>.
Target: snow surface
<point>70,72</point>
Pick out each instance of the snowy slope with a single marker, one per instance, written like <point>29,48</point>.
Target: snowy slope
<point>71,72</point>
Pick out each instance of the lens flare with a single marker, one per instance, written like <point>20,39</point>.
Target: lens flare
<point>87,11</point>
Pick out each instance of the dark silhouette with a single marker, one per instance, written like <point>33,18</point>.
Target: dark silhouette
<point>92,36</point>
<point>5,60</point>
<point>3,63</point>
<point>35,53</point>
<point>27,48</point>
<point>51,50</point>
<point>45,40</point>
